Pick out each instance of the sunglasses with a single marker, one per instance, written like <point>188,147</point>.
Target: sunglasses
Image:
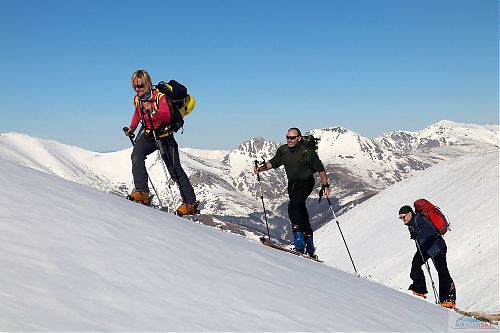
<point>293,137</point>
<point>139,86</point>
<point>403,217</point>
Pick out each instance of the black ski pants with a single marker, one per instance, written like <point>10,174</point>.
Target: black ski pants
<point>298,192</point>
<point>145,146</point>
<point>446,285</point>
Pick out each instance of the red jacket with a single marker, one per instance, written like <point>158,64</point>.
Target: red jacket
<point>160,117</point>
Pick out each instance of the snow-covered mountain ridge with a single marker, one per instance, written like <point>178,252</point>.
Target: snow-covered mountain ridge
<point>358,168</point>
<point>444,133</point>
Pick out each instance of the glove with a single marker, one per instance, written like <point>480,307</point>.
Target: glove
<point>129,132</point>
<point>325,190</point>
<point>413,235</point>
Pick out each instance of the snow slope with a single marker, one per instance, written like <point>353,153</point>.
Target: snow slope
<point>77,259</point>
<point>467,190</point>
<point>105,171</point>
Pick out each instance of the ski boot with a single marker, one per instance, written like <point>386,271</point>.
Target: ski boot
<point>141,197</point>
<point>188,209</point>
<point>309,246</point>
<point>450,299</point>
<point>298,241</point>
<point>450,304</point>
<point>419,294</point>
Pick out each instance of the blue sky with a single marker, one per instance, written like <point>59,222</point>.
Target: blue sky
<point>256,68</point>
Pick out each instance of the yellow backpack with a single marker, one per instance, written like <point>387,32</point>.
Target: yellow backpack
<point>180,102</point>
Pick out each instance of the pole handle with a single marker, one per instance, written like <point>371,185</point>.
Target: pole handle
<point>257,165</point>
<point>126,129</point>
<point>131,136</point>
<point>321,196</point>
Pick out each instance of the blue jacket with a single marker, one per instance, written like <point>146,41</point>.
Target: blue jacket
<point>426,234</point>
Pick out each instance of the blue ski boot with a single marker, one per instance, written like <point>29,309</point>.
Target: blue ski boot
<point>309,244</point>
<point>298,241</point>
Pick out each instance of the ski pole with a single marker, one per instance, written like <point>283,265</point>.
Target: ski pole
<point>262,199</point>
<point>158,143</point>
<point>428,271</point>
<point>161,150</point>
<point>335,217</point>
<point>131,137</point>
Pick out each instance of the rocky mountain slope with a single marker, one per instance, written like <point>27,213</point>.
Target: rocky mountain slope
<point>358,168</point>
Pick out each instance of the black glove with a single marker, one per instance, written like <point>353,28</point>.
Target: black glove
<point>413,235</point>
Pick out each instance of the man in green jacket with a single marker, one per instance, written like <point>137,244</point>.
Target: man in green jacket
<point>300,164</point>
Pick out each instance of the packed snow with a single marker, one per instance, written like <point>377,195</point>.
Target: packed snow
<point>77,259</point>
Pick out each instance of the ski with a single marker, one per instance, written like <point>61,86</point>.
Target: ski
<point>480,315</point>
<point>200,218</point>
<point>268,243</point>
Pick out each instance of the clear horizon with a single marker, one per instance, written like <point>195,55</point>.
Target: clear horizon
<point>236,145</point>
<point>255,68</point>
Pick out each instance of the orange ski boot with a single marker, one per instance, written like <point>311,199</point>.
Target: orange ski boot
<point>142,197</point>
<point>187,209</point>
<point>419,294</point>
<point>449,304</point>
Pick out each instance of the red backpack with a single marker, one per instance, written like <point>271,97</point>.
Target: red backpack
<point>433,214</point>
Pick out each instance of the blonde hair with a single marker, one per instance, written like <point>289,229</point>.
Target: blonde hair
<point>144,76</point>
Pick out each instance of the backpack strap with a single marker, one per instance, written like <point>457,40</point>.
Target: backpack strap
<point>164,131</point>
<point>171,108</point>
<point>158,95</point>
<point>137,110</point>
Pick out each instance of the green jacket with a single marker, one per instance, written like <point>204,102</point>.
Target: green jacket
<point>300,162</point>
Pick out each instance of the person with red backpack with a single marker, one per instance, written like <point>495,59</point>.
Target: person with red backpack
<point>430,244</point>
<point>153,109</point>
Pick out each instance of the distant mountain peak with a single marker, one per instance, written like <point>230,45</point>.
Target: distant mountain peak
<point>358,168</point>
